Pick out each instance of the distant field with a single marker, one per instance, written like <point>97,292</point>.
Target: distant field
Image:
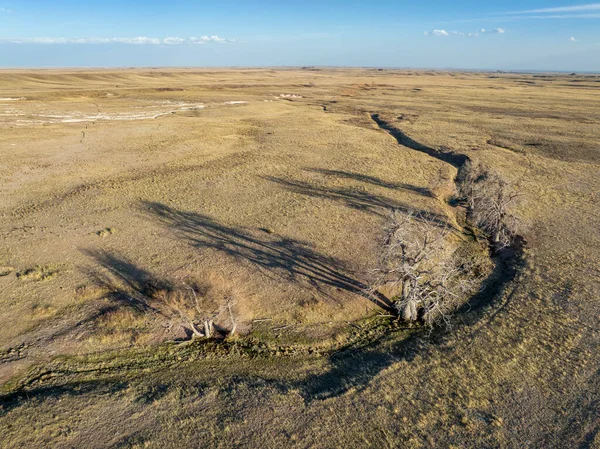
<point>274,187</point>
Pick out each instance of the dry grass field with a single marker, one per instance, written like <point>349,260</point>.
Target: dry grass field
<point>133,199</point>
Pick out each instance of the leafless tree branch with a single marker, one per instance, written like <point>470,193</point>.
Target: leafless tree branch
<point>428,279</point>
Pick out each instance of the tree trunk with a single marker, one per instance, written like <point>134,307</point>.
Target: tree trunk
<point>208,328</point>
<point>195,331</point>
<point>410,311</point>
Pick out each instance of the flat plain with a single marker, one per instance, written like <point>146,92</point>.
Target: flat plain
<point>273,187</point>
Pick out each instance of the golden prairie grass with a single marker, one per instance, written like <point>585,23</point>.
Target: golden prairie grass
<point>281,202</point>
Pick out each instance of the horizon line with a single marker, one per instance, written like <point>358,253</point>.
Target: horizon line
<point>241,67</point>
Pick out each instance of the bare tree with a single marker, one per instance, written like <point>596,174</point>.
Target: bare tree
<point>198,310</point>
<point>425,277</point>
<point>228,307</point>
<point>187,305</point>
<point>489,198</point>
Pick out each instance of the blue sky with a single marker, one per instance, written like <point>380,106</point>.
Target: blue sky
<point>535,34</point>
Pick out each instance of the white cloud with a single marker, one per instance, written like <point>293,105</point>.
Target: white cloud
<point>437,33</point>
<point>460,33</point>
<point>5,10</point>
<point>212,39</point>
<point>203,39</point>
<point>173,41</point>
<point>572,39</point>
<point>140,40</point>
<point>494,31</point>
<point>587,11</point>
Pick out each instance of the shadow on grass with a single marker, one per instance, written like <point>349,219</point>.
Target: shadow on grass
<point>279,256</point>
<point>128,286</point>
<point>358,199</point>
<point>507,265</point>
<point>373,181</point>
<point>145,393</point>
<point>139,284</point>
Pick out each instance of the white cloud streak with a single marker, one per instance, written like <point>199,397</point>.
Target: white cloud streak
<point>141,40</point>
<point>587,11</point>
<point>563,16</point>
<point>575,8</point>
<point>444,33</point>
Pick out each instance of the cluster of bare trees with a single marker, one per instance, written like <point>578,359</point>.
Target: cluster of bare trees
<point>197,311</point>
<point>421,268</point>
<point>489,198</point>
<point>421,271</point>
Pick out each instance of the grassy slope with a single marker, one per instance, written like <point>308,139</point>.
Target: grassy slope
<point>520,370</point>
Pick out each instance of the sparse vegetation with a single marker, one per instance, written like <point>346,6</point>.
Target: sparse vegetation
<point>38,273</point>
<point>105,232</point>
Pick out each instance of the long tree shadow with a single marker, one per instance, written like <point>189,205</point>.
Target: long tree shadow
<point>350,368</point>
<point>373,181</point>
<point>279,256</point>
<point>358,199</point>
<point>134,286</point>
